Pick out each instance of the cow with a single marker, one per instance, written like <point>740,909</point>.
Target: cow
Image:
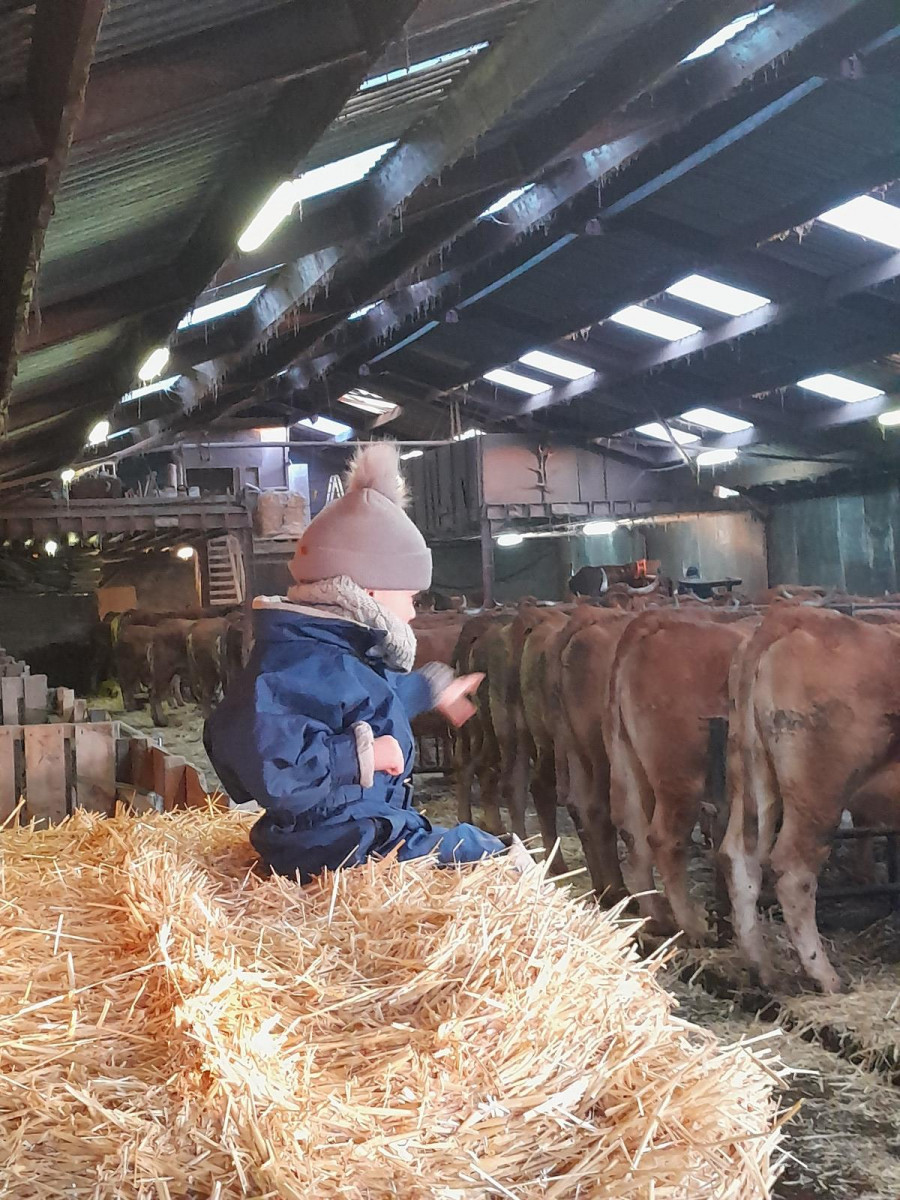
<point>814,731</point>
<point>207,660</point>
<point>541,718</point>
<point>131,655</point>
<point>669,676</point>
<point>584,652</point>
<point>437,634</point>
<point>168,660</point>
<point>476,752</point>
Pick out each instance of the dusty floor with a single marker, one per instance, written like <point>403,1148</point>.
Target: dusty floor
<point>844,1144</point>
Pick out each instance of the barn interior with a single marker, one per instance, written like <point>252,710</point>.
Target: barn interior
<point>620,281</point>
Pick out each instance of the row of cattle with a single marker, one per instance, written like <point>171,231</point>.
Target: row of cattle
<point>608,712</point>
<point>168,654</point>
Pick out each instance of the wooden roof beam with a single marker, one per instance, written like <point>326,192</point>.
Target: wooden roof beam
<point>62,49</point>
<point>491,86</point>
<point>543,220</point>
<point>836,290</point>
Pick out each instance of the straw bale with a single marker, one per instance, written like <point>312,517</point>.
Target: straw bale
<point>173,1025</point>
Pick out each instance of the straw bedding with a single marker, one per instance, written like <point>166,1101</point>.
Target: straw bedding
<point>172,1025</point>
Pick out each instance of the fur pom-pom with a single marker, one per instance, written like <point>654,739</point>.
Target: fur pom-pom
<point>377,466</point>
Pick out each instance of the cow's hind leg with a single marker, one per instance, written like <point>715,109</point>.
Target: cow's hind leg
<point>674,818</point>
<point>631,805</point>
<point>796,861</point>
<point>543,793</point>
<point>589,805</point>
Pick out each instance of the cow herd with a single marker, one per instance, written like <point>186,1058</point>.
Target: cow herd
<point>609,711</point>
<point>167,654</point>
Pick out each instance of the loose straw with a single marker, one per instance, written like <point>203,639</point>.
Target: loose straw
<point>393,1031</point>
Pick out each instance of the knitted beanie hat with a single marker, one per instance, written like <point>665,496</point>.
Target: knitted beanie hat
<point>366,535</point>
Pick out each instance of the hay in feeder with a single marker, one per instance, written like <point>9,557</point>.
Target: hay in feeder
<point>172,1025</point>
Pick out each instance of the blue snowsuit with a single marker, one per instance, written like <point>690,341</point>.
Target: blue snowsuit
<point>283,736</point>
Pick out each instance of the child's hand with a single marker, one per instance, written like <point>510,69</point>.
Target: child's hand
<point>454,702</point>
<point>388,756</point>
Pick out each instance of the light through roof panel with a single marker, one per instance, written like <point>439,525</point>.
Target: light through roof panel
<point>161,385</point>
<point>369,402</point>
<point>335,429</point>
<point>658,431</point>
<point>426,64</point>
<point>519,383</point>
<point>837,387</point>
<point>646,320</point>
<point>727,32</point>
<point>868,218</point>
<point>218,308</point>
<point>505,201</point>
<point>721,297</point>
<point>710,418</point>
<point>553,364</point>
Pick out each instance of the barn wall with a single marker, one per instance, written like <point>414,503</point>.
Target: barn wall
<point>163,582</point>
<point>846,542</point>
<point>539,567</point>
<point>623,546</point>
<point>721,545</point>
<point>54,634</point>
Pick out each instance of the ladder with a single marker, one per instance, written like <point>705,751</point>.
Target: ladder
<point>226,570</point>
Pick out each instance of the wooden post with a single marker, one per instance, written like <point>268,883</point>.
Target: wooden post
<point>95,767</point>
<point>12,690</point>
<point>9,790</point>
<point>203,571</point>
<point>487,563</point>
<point>245,538</point>
<point>46,788</point>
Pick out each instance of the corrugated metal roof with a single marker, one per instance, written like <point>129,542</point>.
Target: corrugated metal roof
<point>820,139</point>
<point>44,369</point>
<point>438,26</point>
<point>133,25</point>
<point>137,204</point>
<point>16,21</point>
<point>382,114</point>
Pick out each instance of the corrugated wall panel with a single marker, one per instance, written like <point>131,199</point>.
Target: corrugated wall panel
<point>848,542</point>
<point>720,545</point>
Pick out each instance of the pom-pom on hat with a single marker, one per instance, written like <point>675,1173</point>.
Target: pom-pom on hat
<point>365,534</point>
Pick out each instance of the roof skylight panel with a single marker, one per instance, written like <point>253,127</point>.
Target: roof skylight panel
<point>721,297</point>
<point>553,364</point>
<point>505,201</point>
<point>727,32</point>
<point>218,308</point>
<point>711,418</point>
<point>838,387</point>
<point>336,429</point>
<point>658,432</point>
<point>656,324</point>
<point>519,383</point>
<point>867,218</point>
<point>426,64</point>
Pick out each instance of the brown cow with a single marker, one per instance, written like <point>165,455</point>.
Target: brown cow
<point>542,714</point>
<point>436,636</point>
<point>584,651</point>
<point>168,658</point>
<point>476,752</point>
<point>669,677</point>
<point>207,660</point>
<point>814,731</point>
<point>131,656</point>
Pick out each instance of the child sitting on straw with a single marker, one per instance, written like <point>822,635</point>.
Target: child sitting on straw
<point>317,728</point>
